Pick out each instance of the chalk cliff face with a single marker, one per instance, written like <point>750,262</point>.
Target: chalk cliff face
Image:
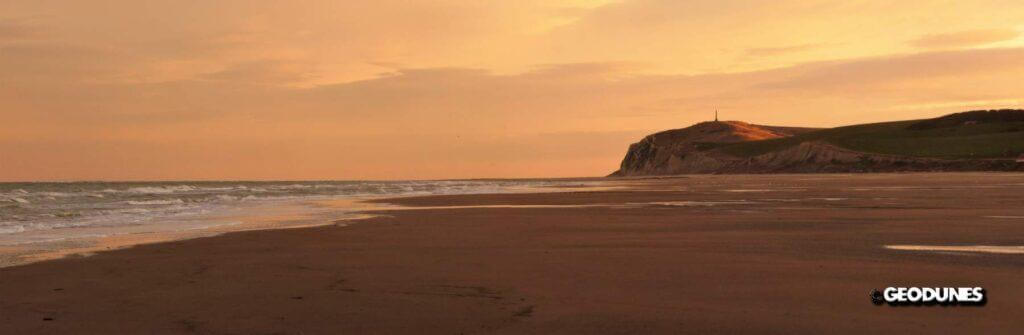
<point>806,157</point>
<point>682,150</point>
<point>738,147</point>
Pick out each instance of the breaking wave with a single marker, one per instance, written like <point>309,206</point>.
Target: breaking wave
<point>28,207</point>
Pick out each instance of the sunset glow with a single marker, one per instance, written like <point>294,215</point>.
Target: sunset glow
<point>388,89</point>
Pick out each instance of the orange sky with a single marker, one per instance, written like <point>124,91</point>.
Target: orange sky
<point>397,89</point>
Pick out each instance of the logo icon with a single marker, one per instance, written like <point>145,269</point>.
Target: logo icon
<point>876,297</point>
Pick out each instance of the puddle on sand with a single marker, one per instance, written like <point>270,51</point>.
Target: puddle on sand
<point>991,249</point>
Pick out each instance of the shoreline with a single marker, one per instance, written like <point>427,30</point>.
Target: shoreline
<point>287,215</point>
<point>298,213</point>
<point>799,255</point>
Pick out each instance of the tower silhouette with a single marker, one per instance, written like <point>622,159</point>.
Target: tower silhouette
<point>716,114</point>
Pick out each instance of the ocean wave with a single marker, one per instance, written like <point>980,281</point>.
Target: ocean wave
<point>12,229</point>
<point>55,194</point>
<point>19,200</point>
<point>160,189</point>
<point>132,210</point>
<point>156,202</point>
<point>268,198</point>
<point>290,187</point>
<point>220,189</point>
<point>48,206</point>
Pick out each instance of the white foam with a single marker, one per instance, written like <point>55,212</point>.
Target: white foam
<point>160,189</point>
<point>55,194</point>
<point>11,229</point>
<point>991,249</point>
<point>783,200</point>
<point>70,210</point>
<point>157,202</point>
<point>290,187</point>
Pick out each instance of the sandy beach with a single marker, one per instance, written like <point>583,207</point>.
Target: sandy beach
<point>695,254</point>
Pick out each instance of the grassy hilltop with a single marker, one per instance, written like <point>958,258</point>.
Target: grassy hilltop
<point>974,134</point>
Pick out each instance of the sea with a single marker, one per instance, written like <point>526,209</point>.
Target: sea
<point>47,212</point>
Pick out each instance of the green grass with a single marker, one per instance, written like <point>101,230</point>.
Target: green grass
<point>983,140</point>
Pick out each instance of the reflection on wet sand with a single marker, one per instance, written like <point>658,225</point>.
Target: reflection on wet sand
<point>991,249</point>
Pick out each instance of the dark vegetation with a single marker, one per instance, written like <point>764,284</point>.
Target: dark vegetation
<point>974,134</point>
<point>971,117</point>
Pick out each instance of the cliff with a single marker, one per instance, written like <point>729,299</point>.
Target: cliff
<point>970,141</point>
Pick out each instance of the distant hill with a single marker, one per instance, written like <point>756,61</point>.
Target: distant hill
<point>970,141</point>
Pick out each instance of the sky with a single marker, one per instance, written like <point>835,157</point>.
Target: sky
<point>390,89</point>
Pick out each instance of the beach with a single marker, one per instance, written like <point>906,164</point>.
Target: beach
<point>689,254</point>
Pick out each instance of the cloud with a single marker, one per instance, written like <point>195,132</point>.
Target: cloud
<point>877,72</point>
<point>965,105</point>
<point>552,98</point>
<point>267,72</point>
<point>775,51</point>
<point>556,120</point>
<point>607,97</point>
<point>587,69</point>
<point>12,30</point>
<point>57,62</point>
<point>964,39</point>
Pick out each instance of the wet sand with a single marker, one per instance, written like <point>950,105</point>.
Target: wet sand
<point>700,254</point>
<point>286,215</point>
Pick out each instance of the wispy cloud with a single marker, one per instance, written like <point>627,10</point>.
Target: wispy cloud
<point>968,104</point>
<point>774,51</point>
<point>964,39</point>
<point>267,72</point>
<point>17,30</point>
